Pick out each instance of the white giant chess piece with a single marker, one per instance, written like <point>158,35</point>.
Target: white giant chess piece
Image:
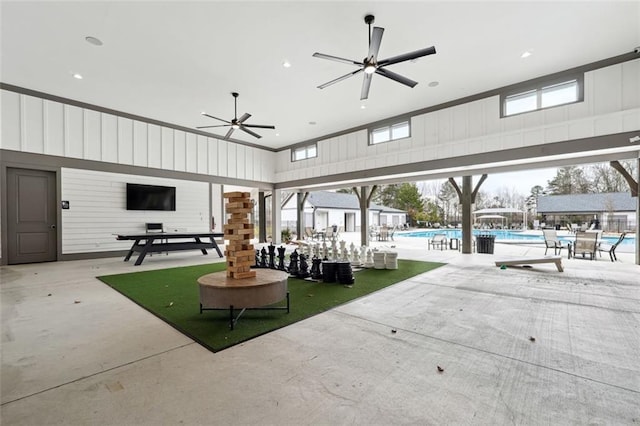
<point>363,252</point>
<point>334,250</point>
<point>316,249</point>
<point>355,258</point>
<point>369,262</point>
<point>345,255</point>
<point>324,250</point>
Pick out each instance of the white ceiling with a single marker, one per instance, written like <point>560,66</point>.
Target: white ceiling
<point>169,61</point>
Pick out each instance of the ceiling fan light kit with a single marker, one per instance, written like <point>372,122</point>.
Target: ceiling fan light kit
<point>236,123</point>
<point>370,65</point>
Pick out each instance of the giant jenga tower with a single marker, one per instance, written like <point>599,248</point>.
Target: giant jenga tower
<point>239,231</point>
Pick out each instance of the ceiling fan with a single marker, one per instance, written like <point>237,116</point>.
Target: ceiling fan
<point>371,65</point>
<point>236,123</point>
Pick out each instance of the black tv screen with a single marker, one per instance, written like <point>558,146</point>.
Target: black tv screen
<point>150,197</point>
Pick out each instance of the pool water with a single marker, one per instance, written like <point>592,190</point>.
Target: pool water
<point>510,236</point>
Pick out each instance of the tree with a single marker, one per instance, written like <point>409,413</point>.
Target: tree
<point>386,195</point>
<point>449,201</point>
<point>569,180</point>
<point>409,199</point>
<point>607,179</point>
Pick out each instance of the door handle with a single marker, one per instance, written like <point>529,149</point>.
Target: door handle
<point>53,227</point>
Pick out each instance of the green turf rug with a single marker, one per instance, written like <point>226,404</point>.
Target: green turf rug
<point>172,295</point>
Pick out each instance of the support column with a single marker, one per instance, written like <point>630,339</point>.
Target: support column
<point>262,217</point>
<point>363,198</point>
<point>276,199</point>
<point>466,201</point>
<point>300,222</point>
<point>638,212</point>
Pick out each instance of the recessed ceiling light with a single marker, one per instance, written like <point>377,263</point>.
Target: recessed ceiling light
<point>286,64</point>
<point>93,40</point>
<point>525,54</point>
<point>313,123</point>
<point>363,106</point>
<point>433,83</point>
<point>77,76</point>
<point>277,134</point>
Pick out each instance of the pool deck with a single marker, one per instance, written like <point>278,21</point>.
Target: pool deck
<point>467,343</point>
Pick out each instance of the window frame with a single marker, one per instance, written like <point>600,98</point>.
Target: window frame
<point>305,147</point>
<point>388,126</point>
<point>538,88</point>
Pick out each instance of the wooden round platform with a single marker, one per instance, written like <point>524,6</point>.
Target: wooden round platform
<point>219,291</point>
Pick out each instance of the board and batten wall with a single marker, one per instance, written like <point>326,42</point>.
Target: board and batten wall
<point>611,105</point>
<point>41,126</point>
<point>98,209</point>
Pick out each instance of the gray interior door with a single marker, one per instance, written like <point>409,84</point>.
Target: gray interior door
<point>31,216</point>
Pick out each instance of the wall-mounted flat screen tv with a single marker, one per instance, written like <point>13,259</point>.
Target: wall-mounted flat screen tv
<point>150,197</point>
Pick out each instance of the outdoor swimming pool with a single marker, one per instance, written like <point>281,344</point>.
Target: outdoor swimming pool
<point>510,236</point>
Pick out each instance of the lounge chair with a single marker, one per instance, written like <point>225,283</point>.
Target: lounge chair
<point>309,233</point>
<point>329,234</point>
<point>586,244</point>
<point>611,248</point>
<point>439,240</point>
<point>551,240</point>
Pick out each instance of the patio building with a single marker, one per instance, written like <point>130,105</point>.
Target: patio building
<point>326,208</point>
<point>612,212</point>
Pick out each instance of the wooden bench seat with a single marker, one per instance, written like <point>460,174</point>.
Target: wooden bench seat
<point>532,260</point>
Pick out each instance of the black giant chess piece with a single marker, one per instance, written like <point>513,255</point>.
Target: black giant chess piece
<point>272,256</point>
<point>316,272</point>
<point>304,267</point>
<point>257,265</point>
<point>293,264</point>
<point>281,251</point>
<point>263,258</point>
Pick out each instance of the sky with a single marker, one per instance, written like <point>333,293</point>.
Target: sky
<point>522,181</point>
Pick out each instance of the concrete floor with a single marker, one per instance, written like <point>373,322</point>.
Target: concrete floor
<point>106,361</point>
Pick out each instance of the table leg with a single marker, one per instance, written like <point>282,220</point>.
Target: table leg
<point>144,251</point>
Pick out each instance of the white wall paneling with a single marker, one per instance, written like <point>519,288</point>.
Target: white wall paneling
<point>54,128</point>
<point>98,209</point>
<point>42,126</point>
<point>611,105</point>
<point>141,145</point>
<point>109,138</point>
<point>154,146</point>
<point>179,151</point>
<point>92,135</point>
<point>10,135</point>
<point>33,124</point>
<point>167,143</point>
<point>125,141</point>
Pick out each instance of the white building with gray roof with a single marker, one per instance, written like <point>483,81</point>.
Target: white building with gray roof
<point>614,211</point>
<point>325,208</point>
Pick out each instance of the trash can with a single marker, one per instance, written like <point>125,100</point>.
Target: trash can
<point>485,243</point>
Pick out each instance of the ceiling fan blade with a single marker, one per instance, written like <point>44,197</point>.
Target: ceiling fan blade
<point>408,56</point>
<point>366,83</point>
<point>217,125</point>
<point>335,58</point>
<point>244,117</point>
<point>397,77</point>
<point>259,126</point>
<point>255,135</point>
<point>322,86</point>
<point>228,135</point>
<point>374,46</point>
<point>215,118</point>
